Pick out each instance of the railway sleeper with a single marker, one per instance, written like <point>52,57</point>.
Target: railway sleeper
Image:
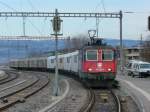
<point>104,97</point>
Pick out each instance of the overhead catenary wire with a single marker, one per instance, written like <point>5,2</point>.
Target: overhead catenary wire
<point>103,5</point>
<point>33,8</point>
<point>31,4</point>
<point>35,27</point>
<point>8,47</point>
<point>14,10</point>
<point>6,5</point>
<point>97,19</point>
<point>44,25</point>
<point>24,21</point>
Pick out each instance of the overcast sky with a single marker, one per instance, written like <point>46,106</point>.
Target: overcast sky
<point>134,24</point>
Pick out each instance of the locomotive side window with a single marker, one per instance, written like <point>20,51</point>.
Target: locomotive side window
<point>91,55</point>
<point>107,55</point>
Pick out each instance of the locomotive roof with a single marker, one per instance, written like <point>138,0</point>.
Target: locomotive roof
<point>98,47</point>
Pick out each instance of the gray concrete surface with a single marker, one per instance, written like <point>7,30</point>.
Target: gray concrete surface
<point>138,87</point>
<point>2,73</point>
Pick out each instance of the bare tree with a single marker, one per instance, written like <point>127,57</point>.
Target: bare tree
<point>76,42</point>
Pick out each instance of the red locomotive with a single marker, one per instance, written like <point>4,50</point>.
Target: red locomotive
<point>99,64</point>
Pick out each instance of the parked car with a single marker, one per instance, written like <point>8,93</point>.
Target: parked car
<point>138,68</point>
<point>129,67</point>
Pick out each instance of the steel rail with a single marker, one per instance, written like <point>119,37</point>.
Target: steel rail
<point>21,95</point>
<point>117,101</point>
<point>88,105</point>
<point>11,76</point>
<point>4,77</point>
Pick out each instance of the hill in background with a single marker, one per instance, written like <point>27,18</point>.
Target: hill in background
<point>10,49</point>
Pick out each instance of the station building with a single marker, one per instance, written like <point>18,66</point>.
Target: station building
<point>132,53</point>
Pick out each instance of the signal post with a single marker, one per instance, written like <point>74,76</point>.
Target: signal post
<point>56,22</point>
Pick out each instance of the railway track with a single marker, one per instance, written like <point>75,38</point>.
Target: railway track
<point>3,77</point>
<point>72,100</point>
<point>117,100</point>
<point>9,76</point>
<point>90,102</point>
<point>25,90</point>
<point>102,100</point>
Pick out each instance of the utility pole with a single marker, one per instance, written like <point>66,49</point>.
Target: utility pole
<point>121,44</point>
<point>56,28</point>
<point>140,47</point>
<point>24,30</point>
<point>97,26</point>
<point>149,23</point>
<point>141,40</point>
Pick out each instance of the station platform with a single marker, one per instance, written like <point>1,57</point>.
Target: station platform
<point>139,87</point>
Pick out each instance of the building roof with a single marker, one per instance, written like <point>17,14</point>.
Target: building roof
<point>137,47</point>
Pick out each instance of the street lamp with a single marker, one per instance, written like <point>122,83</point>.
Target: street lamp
<point>121,41</point>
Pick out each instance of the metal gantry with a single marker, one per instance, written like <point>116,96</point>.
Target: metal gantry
<point>71,15</point>
<point>29,38</point>
<point>68,14</point>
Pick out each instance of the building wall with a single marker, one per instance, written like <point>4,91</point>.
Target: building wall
<point>132,53</point>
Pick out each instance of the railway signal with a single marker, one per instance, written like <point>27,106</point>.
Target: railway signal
<point>56,22</point>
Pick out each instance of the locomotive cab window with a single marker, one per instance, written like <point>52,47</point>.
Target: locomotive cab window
<point>91,55</point>
<point>108,55</point>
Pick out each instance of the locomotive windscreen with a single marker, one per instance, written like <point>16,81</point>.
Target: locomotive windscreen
<point>107,55</point>
<point>92,55</point>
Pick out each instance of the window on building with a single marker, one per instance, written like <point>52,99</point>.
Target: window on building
<point>129,50</point>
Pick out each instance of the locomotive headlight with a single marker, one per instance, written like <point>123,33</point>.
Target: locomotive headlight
<point>109,69</point>
<point>90,69</point>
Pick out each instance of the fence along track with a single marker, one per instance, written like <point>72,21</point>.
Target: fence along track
<point>22,95</point>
